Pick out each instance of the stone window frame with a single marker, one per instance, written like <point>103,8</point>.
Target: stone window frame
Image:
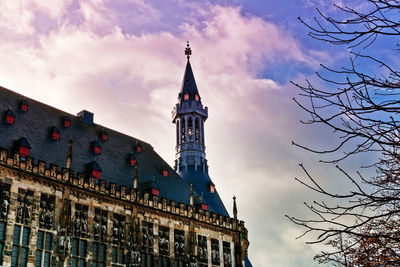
<point>20,245</point>
<point>44,250</point>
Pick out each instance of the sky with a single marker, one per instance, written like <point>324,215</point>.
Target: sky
<point>124,61</point>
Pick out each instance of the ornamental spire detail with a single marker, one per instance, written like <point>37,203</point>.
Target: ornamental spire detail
<point>188,50</point>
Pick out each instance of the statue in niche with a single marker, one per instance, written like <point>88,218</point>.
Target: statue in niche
<point>28,212</point>
<point>103,233</point>
<point>77,226</point>
<point>96,230</point>
<point>20,213</point>
<point>84,228</point>
<point>50,220</point>
<point>115,233</point>
<point>122,235</point>
<point>4,208</point>
<point>42,219</point>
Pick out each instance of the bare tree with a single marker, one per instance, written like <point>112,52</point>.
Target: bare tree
<point>362,227</point>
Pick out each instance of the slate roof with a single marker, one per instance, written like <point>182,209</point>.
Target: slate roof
<point>36,124</point>
<point>201,182</point>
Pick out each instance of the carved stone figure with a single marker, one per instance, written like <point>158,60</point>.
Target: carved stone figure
<point>96,230</point>
<point>28,212</point>
<point>84,228</point>
<point>115,234</point>
<point>42,219</point>
<point>20,213</point>
<point>77,226</point>
<point>4,208</point>
<point>103,233</point>
<point>50,220</point>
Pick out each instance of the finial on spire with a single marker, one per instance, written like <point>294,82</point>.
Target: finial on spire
<point>188,50</point>
<point>234,208</point>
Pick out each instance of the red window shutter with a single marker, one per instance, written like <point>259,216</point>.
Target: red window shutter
<point>196,97</point>
<point>204,206</point>
<point>10,119</point>
<point>24,107</point>
<point>212,189</point>
<point>132,162</point>
<point>56,136</point>
<point>138,149</point>
<point>23,151</point>
<point>104,137</point>
<point>186,97</point>
<point>155,192</point>
<point>165,173</point>
<point>97,150</point>
<point>96,174</point>
<point>67,123</point>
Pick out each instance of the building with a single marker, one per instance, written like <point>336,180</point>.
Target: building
<point>75,193</point>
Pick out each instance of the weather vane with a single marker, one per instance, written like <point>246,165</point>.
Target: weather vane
<point>188,50</point>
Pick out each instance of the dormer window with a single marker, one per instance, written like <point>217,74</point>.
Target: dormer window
<point>211,187</point>
<point>152,187</point>
<point>132,159</point>
<point>104,135</point>
<point>196,97</point>
<point>24,106</point>
<point>94,170</point>
<point>186,97</point>
<point>10,117</point>
<point>23,147</point>
<point>138,148</point>
<point>96,148</point>
<point>66,122</point>
<point>155,191</point>
<point>55,133</point>
<point>165,172</point>
<point>204,206</point>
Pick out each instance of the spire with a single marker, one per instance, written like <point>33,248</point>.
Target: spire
<point>69,156</point>
<point>189,90</point>
<point>191,200</point>
<point>234,208</point>
<point>135,178</point>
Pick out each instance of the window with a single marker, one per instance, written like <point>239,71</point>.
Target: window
<point>2,238</point>
<point>22,145</point>
<point>138,148</point>
<point>96,147</point>
<point>24,106</point>
<point>196,97</point>
<point>96,174</point>
<point>215,260</point>
<point>20,248</point>
<point>165,173</point>
<point>55,134</point>
<point>79,252</point>
<point>10,117</point>
<point>43,249</point>
<point>155,191</point>
<point>99,254</point>
<point>118,256</point>
<point>104,135</point>
<point>226,248</point>
<point>132,159</point>
<point>186,97</point>
<point>202,250</point>
<point>24,151</point>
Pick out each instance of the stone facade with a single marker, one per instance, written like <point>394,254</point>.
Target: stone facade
<point>54,218</point>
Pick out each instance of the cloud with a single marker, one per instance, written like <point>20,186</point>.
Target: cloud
<point>95,57</point>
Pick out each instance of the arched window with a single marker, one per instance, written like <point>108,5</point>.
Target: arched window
<point>190,126</point>
<point>177,132</point>
<point>197,130</point>
<point>183,134</point>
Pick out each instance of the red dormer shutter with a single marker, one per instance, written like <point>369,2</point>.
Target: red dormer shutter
<point>196,97</point>
<point>24,151</point>
<point>104,136</point>
<point>186,97</point>
<point>96,174</point>
<point>96,150</point>
<point>10,119</point>
<point>155,191</point>
<point>138,148</point>
<point>165,173</point>
<point>56,136</point>
<point>67,123</point>
<point>24,107</point>
<point>132,162</point>
<point>204,206</point>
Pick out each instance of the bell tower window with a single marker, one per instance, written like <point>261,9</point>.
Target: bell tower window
<point>186,96</point>
<point>196,97</point>
<point>190,126</point>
